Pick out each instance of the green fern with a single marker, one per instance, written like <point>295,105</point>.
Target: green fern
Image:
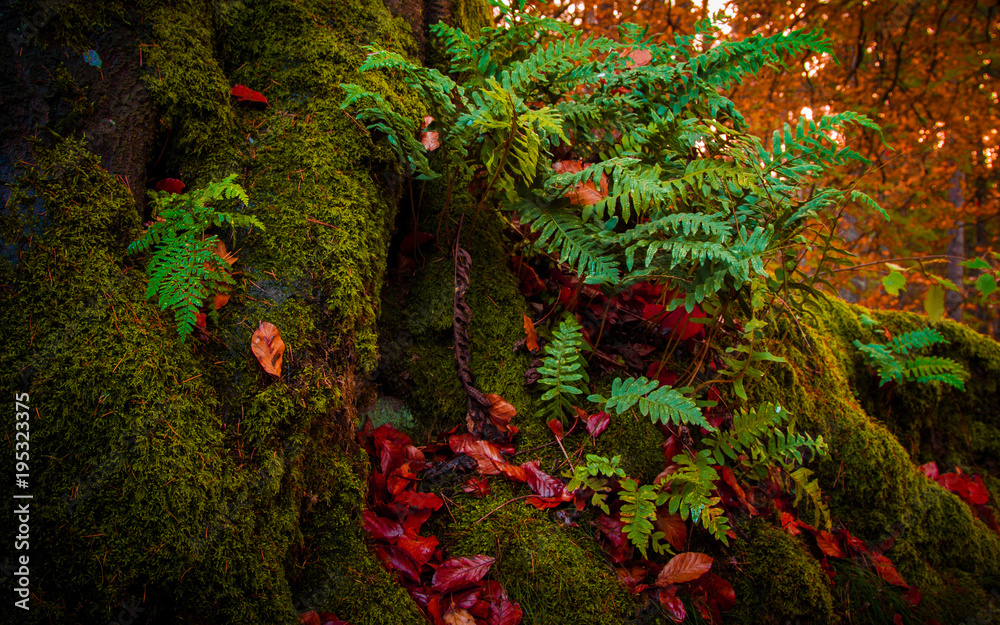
<point>689,493</point>
<point>809,491</point>
<point>587,476</point>
<point>563,370</point>
<point>185,269</point>
<point>638,511</point>
<point>924,369</point>
<point>660,403</point>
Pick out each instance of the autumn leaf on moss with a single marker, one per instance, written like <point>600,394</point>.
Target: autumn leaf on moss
<point>170,185</point>
<point>886,570</point>
<point>246,94</point>
<point>456,573</point>
<point>531,337</point>
<point>268,347</point>
<point>684,567</point>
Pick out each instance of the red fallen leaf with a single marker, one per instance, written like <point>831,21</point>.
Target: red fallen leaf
<point>411,242</point>
<point>886,570</point>
<point>427,121</point>
<point>828,544</point>
<point>613,529</point>
<point>502,611</point>
<point>639,58</point>
<point>399,560</point>
<point>976,491</point>
<point>458,616</point>
<point>672,604</point>
<point>430,140</point>
<point>664,376</point>
<point>531,337</point>
<point>897,618</point>
<point>486,454</point>
<point>329,618</point>
<point>680,323</point>
<point>631,576</point>
<point>674,528</point>
<point>401,478</point>
<point>267,346</point>
<point>543,484</point>
<point>201,320</point>
<point>597,423</point>
<point>412,518</point>
<point>480,487</point>
<point>730,479</point>
<point>684,567</point>
<point>428,501</point>
<point>419,548</point>
<point>544,503</point>
<point>454,573</point>
<point>246,94</point>
<point>556,426</point>
<point>717,591</point>
<point>501,411</point>
<point>221,299</point>
<point>856,544</point>
<point>790,524</point>
<point>309,618</point>
<point>913,596</point>
<point>930,470</point>
<point>531,284</point>
<point>433,605</point>
<point>585,193</point>
<point>170,185</point>
<point>380,528</point>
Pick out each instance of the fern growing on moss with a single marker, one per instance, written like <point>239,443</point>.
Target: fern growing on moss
<point>563,370</point>
<point>185,267</point>
<point>895,361</point>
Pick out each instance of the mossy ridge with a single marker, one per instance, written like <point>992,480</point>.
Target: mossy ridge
<point>123,417</point>
<point>873,485</point>
<point>556,572</point>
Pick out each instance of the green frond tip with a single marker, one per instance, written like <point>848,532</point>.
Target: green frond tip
<point>563,370</point>
<point>895,361</point>
<point>185,268</point>
<point>659,403</point>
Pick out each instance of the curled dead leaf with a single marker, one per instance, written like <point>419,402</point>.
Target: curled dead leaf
<point>430,140</point>
<point>268,347</point>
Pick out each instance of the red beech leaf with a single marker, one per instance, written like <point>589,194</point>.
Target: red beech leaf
<point>401,478</point>
<point>428,501</point>
<point>556,426</point>
<point>531,339</point>
<point>897,618</point>
<point>478,486</point>
<point>201,320</point>
<point>886,570</point>
<point>420,549</point>
<point>597,423</point>
<point>427,121</point>
<point>400,560</point>
<point>674,528</point>
<point>640,58</point>
<point>309,618</point>
<point>613,529</point>
<point>672,604</point>
<point>454,573</point>
<point>430,141</point>
<point>930,470</point>
<point>531,284</point>
<point>458,616</point>
<point>717,591</point>
<point>855,543</point>
<point>828,544</point>
<point>664,376</point>
<point>381,528</point>
<point>221,299</point>
<point>486,454</point>
<point>501,411</point>
<point>543,484</point>
<point>631,576</point>
<point>267,346</point>
<point>502,611</point>
<point>170,185</point>
<point>790,524</point>
<point>913,596</point>
<point>411,242</point>
<point>246,94</point>
<point>544,503</point>
<point>467,598</point>
<point>684,567</point>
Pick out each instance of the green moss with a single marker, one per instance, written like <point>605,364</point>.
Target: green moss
<point>556,572</point>
<point>777,580</point>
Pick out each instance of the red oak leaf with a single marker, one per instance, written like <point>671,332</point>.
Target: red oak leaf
<point>454,573</point>
<point>684,567</point>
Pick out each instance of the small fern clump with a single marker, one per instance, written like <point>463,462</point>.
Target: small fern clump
<point>563,370</point>
<point>895,361</point>
<point>185,268</point>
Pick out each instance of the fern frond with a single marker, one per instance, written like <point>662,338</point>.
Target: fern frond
<point>563,369</point>
<point>917,339</point>
<point>660,403</point>
<point>810,491</point>
<point>579,244</point>
<point>937,369</point>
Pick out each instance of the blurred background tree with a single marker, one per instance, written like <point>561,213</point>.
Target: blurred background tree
<point>927,71</point>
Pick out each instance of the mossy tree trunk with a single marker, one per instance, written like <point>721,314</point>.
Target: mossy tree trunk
<point>178,482</point>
